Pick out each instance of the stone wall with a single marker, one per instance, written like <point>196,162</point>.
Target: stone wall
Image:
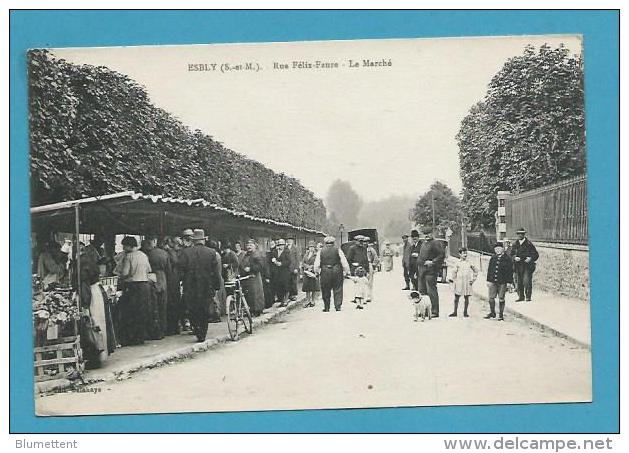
<point>563,270</point>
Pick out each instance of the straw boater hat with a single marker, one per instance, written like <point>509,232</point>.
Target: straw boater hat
<point>521,230</point>
<point>329,240</point>
<point>280,242</point>
<point>198,235</point>
<point>187,232</point>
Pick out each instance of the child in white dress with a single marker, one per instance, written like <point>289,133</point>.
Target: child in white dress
<point>361,287</point>
<point>463,275</point>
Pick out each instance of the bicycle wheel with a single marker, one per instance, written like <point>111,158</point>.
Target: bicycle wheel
<point>247,319</point>
<point>232,318</point>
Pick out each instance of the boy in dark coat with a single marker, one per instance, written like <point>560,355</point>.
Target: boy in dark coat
<point>499,274</point>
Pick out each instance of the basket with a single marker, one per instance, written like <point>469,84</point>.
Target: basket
<point>58,360</point>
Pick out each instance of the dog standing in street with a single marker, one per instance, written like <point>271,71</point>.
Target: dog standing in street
<point>423,308</point>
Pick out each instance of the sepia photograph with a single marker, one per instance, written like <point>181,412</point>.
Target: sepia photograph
<point>309,225</point>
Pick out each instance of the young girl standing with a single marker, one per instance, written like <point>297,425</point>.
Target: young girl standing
<point>361,287</point>
<point>463,275</point>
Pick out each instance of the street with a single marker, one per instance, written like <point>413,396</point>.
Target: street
<point>355,358</point>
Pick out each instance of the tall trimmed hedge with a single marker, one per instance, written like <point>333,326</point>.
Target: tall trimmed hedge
<point>529,131</point>
<point>94,131</point>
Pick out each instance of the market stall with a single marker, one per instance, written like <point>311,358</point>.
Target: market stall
<point>58,312</point>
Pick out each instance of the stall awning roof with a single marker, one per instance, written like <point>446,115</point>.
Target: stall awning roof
<point>136,213</point>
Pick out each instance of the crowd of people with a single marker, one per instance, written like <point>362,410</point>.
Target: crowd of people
<point>173,284</point>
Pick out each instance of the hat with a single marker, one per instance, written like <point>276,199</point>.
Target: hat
<point>329,240</point>
<point>198,235</point>
<point>187,232</point>
<point>366,239</point>
<point>414,234</point>
<point>281,242</point>
<point>312,244</point>
<point>426,229</point>
<point>252,241</point>
<point>521,231</point>
<point>498,244</point>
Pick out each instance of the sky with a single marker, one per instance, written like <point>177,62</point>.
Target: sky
<point>388,130</point>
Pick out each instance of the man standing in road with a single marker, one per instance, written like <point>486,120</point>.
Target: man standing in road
<point>406,257</point>
<point>332,266</point>
<point>429,262</point>
<point>200,281</point>
<point>413,257</point>
<point>357,254</point>
<point>524,255</point>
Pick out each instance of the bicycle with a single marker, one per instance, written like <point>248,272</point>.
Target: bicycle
<point>237,308</point>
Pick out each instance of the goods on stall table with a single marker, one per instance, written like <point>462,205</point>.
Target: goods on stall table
<point>55,312</point>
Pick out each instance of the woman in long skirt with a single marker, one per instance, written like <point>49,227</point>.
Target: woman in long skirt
<point>386,257</point>
<point>311,283</point>
<point>133,269</point>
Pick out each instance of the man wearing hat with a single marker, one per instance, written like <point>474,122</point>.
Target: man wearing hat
<point>499,274</point>
<point>200,281</point>
<point>281,261</point>
<point>332,266</point>
<point>406,258</point>
<point>524,256</point>
<point>429,262</point>
<point>357,254</point>
<point>186,237</point>
<point>414,250</point>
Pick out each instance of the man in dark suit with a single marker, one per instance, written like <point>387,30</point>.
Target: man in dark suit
<point>415,247</point>
<point>429,262</point>
<point>331,265</point>
<point>524,256</point>
<point>499,274</point>
<point>282,262</point>
<point>406,257</point>
<point>357,255</point>
<point>295,262</point>
<point>201,280</point>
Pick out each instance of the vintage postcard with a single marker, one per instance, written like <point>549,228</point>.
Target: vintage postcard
<point>309,225</point>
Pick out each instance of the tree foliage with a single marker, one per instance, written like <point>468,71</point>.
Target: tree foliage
<point>447,207</point>
<point>94,131</point>
<point>343,204</point>
<point>528,132</point>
